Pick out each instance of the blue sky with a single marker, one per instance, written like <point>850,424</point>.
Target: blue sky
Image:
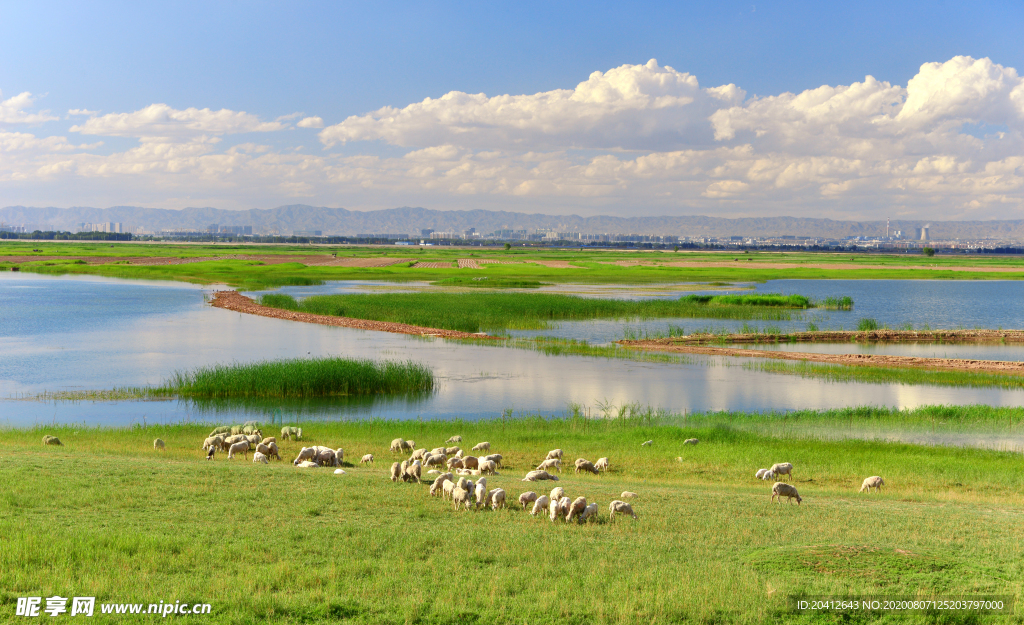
<point>280,63</point>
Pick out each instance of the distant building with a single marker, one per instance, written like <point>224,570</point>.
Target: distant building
<point>308,233</point>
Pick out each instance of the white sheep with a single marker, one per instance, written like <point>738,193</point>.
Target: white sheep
<point>481,491</point>
<point>368,458</point>
<point>585,465</point>
<point>436,450</point>
<point>536,476</point>
<point>588,512</point>
<point>874,481</point>
<point>553,510</point>
<point>527,498</point>
<point>454,439</point>
<point>495,458</point>
<point>408,445</point>
<point>339,453</point>
<point>396,445</point>
<point>434,460</point>
<point>577,506</point>
<point>497,497</point>
<point>52,440</point>
<point>760,473</point>
<point>621,507</point>
<point>259,457</point>
<point>307,464</point>
<point>461,496</point>
<point>781,489</point>
<point>484,446</point>
<point>212,441</point>
<point>646,443</point>
<point>327,458</point>
<point>241,447</point>
<point>540,505</point>
<point>628,494</point>
<point>447,487</point>
<point>253,439</point>
<point>414,471</point>
<point>550,463</point>
<point>554,454</point>
<point>419,454</point>
<point>396,472</point>
<point>601,464</point>
<point>449,451</point>
<point>455,463</point>
<point>781,468</point>
<point>488,467</point>
<point>691,441</point>
<point>158,444</point>
<point>269,439</point>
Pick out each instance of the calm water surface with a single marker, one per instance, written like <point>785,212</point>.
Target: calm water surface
<point>69,333</point>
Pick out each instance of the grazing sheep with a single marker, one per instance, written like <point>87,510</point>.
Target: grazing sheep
<point>874,481</point>
<point>408,445</point>
<point>454,439</point>
<point>434,460</point>
<point>621,507</point>
<point>414,472</point>
<point>212,441</point>
<point>589,512</point>
<point>781,489</point>
<point>495,458</point>
<point>549,464</point>
<point>553,510</point>
<point>691,441</point>
<point>646,443</point>
<point>497,497</point>
<point>274,452</point>
<point>433,472</point>
<point>436,450</point>
<point>419,454</point>
<point>554,454</point>
<point>339,453</point>
<point>307,464</point>
<point>537,476</point>
<point>269,439</point>
<point>464,484</point>
<point>236,429</point>
<point>405,466</point>
<point>601,464</point>
<point>259,457</point>
<point>290,433</point>
<point>488,467</point>
<point>484,446</point>
<point>159,444</point>
<point>368,458</point>
<point>250,428</point>
<point>306,453</point>
<point>467,472</point>
<point>209,454</point>
<point>627,494</point>
<point>221,429</point>
<point>235,438</point>
<point>540,505</point>
<point>436,485</point>
<point>459,454</point>
<point>557,493</point>
<point>586,466</point>
<point>481,491</point>
<point>527,498</point>
<point>455,463</point>
<point>767,475</point>
<point>577,507</point>
<point>241,447</point>
<point>447,487</point>
<point>461,496</point>
<point>396,472</point>
<point>760,473</point>
<point>563,506</point>
<point>396,445</point>
<point>263,449</point>
<point>449,451</point>
<point>471,462</point>
<point>781,468</point>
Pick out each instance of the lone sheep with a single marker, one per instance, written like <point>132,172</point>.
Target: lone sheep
<point>601,464</point>
<point>159,444</point>
<point>691,441</point>
<point>550,463</point>
<point>621,507</point>
<point>484,446</point>
<point>646,443</point>
<point>554,454</point>
<point>52,440</point>
<point>454,439</point>
<point>781,489</point>
<point>368,458</point>
<point>626,494</point>
<point>872,482</point>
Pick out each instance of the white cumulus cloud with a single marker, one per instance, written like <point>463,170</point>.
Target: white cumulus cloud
<point>160,120</point>
<point>12,110</point>
<point>311,122</point>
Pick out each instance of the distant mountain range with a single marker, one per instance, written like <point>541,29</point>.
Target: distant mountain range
<point>287,219</point>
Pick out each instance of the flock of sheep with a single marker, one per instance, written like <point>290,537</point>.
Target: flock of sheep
<point>782,489</point>
<point>470,494</point>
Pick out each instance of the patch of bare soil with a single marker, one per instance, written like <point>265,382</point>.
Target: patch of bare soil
<point>447,265</point>
<point>555,264</point>
<point>233,300</point>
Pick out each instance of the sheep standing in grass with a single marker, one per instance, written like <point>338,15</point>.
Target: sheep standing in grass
<point>368,458</point>
<point>451,451</point>
<point>540,505</point>
<point>339,453</point>
<point>627,494</point>
<point>481,491</point>
<point>158,444</point>
<point>327,458</point>
<point>590,512</point>
<point>414,472</point>
<point>691,441</point>
<point>435,487</point>
<point>419,454</point>
<point>461,496</point>
<point>554,454</point>
<point>586,466</point>
<point>647,443</point>
<point>408,445</point>
<point>221,429</point>
<point>212,441</point>
<point>263,449</point>
<point>274,451</point>
<point>557,493</point>
<point>760,473</point>
<point>446,489</point>
<point>455,463</point>
<point>306,453</point>
<point>396,472</point>
<point>434,460</point>
<point>268,440</point>
<point>550,463</point>
<point>527,498</point>
<point>253,440</point>
<point>210,453</point>
<point>538,476</point>
<point>497,497</point>
<point>396,445</point>
<point>487,467</point>
<point>620,507</point>
<point>471,462</point>
<point>601,464</point>
<point>553,510</point>
<point>781,489</point>
<point>454,439</point>
<point>484,446</point>
<point>259,457</point>
<point>577,506</point>
<point>241,447</point>
<point>781,468</point>
<point>874,481</point>
<point>52,440</point>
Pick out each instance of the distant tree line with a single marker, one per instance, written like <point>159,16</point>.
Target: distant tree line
<point>51,235</point>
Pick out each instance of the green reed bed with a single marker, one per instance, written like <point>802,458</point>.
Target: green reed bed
<point>475,312</point>
<point>304,377</point>
<point>887,375</point>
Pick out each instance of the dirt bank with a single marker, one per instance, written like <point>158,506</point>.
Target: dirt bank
<point>869,360</point>
<point>233,300</point>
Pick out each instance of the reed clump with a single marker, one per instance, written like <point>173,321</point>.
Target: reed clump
<point>304,377</point>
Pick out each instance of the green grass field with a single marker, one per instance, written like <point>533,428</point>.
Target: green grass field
<point>109,516</point>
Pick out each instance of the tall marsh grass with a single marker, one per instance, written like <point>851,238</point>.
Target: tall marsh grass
<point>305,377</point>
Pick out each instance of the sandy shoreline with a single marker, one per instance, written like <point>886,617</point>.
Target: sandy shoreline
<point>233,300</point>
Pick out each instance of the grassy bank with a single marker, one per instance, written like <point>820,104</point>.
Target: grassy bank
<point>887,375</point>
<point>476,312</point>
<point>283,545</point>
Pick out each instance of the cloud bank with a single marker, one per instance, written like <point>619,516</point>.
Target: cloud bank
<point>636,138</point>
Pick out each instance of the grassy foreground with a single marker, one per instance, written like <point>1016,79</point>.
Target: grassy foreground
<point>106,515</point>
<point>474,312</point>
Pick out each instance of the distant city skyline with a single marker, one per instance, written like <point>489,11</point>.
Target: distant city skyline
<point>908,111</point>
